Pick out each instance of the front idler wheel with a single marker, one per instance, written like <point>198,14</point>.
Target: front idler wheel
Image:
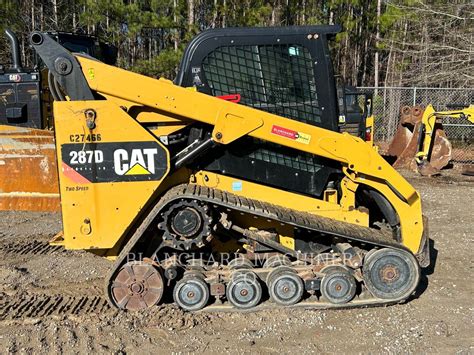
<point>391,274</point>
<point>338,286</point>
<point>244,290</point>
<point>285,286</point>
<point>137,286</point>
<point>191,293</point>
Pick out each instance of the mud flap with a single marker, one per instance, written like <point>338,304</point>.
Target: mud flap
<point>423,254</point>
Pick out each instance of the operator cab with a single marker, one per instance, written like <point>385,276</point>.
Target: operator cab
<point>282,70</point>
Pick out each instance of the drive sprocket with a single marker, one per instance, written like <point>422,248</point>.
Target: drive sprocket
<point>186,225</point>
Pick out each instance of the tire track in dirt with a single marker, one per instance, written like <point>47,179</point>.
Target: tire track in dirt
<point>39,306</point>
<point>32,247</point>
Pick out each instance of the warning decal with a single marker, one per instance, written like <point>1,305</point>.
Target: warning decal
<point>289,133</point>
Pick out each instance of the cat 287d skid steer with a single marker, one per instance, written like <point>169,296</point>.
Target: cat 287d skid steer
<point>224,205</point>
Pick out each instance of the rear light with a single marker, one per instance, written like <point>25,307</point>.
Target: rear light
<point>368,134</point>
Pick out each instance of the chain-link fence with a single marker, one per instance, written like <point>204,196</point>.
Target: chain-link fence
<point>387,102</point>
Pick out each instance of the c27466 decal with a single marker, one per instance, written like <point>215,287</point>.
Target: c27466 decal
<point>76,138</point>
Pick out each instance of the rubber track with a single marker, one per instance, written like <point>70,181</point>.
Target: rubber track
<point>288,216</point>
<point>35,306</point>
<point>262,209</point>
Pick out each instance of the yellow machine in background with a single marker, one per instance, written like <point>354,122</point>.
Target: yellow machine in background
<point>185,192</point>
<point>356,113</point>
<point>430,119</point>
<point>420,143</point>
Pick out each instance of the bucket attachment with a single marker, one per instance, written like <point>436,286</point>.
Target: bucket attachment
<point>28,170</point>
<point>405,144</point>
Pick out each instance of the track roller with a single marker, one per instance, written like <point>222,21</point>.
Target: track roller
<point>285,286</point>
<point>191,293</point>
<point>137,286</point>
<point>390,273</point>
<point>244,290</point>
<point>338,286</point>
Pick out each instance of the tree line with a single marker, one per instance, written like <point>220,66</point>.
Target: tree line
<point>383,43</point>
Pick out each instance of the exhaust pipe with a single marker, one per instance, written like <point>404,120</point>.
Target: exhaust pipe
<point>15,50</point>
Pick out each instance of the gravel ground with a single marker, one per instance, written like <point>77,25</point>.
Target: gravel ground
<point>50,299</point>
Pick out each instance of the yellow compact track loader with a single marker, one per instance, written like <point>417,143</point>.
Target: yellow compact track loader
<point>224,205</point>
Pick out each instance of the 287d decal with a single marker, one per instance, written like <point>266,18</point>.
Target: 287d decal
<point>113,162</point>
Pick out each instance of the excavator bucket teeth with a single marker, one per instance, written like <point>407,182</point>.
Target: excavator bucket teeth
<point>28,170</point>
